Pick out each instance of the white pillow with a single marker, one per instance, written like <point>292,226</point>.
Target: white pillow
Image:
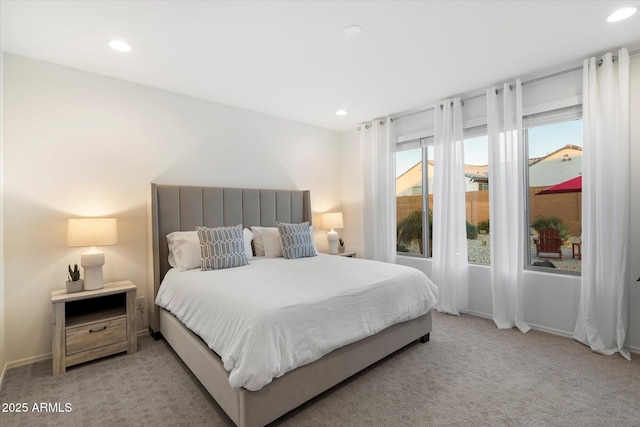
<point>184,249</point>
<point>257,240</point>
<point>313,241</point>
<point>271,242</point>
<point>273,247</point>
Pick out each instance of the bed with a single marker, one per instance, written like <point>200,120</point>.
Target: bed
<point>182,208</point>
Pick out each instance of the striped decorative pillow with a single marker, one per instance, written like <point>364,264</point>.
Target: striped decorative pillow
<point>221,247</point>
<point>296,240</point>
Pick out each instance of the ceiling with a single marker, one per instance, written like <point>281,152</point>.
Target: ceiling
<point>292,59</point>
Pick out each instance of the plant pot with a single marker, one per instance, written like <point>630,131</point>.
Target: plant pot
<point>341,249</point>
<point>74,286</point>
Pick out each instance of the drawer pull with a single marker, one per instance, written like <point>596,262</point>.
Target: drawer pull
<point>97,330</point>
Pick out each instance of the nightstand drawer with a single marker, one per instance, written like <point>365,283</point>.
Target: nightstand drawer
<point>96,334</point>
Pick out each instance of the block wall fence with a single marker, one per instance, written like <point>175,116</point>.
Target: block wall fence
<point>566,206</point>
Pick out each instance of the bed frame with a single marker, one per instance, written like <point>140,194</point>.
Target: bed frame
<point>182,208</point>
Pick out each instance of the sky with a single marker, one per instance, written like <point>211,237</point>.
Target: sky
<point>542,141</point>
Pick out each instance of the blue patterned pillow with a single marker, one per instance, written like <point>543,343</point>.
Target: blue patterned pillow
<point>221,247</point>
<point>296,240</point>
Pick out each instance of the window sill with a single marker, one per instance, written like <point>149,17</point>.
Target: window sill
<point>410,256</point>
<point>553,271</point>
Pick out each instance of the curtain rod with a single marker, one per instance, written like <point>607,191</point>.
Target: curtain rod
<point>528,82</point>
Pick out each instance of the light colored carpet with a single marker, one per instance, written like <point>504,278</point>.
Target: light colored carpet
<point>470,373</point>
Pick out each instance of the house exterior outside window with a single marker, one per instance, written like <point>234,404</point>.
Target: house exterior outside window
<point>554,196</point>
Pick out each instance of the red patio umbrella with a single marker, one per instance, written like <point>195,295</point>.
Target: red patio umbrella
<point>574,185</point>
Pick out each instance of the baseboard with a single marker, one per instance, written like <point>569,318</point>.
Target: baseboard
<point>547,330</point>
<point>28,360</point>
<point>533,325</point>
<point>39,358</point>
<point>4,370</point>
<point>479,314</point>
<point>143,332</point>
<point>551,330</point>
<point>635,350</point>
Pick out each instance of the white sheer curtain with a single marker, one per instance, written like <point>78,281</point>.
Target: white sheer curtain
<point>450,265</point>
<point>506,178</point>
<point>604,299</point>
<point>377,143</point>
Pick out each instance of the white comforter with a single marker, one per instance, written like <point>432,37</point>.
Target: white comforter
<point>275,314</point>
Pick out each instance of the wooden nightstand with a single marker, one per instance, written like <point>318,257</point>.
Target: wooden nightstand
<point>347,254</point>
<point>88,325</point>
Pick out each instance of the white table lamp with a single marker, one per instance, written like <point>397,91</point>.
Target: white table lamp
<point>333,220</point>
<point>92,232</point>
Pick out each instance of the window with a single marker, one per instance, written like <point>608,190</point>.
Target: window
<point>414,208</point>
<point>555,191</point>
<point>476,172</point>
<point>554,198</point>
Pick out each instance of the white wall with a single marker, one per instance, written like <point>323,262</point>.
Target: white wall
<point>551,300</point>
<point>633,336</point>
<point>3,358</point>
<point>352,188</point>
<point>80,144</point>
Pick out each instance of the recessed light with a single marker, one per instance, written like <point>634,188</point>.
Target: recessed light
<point>353,30</point>
<point>622,14</point>
<point>120,46</point>
<point>341,113</point>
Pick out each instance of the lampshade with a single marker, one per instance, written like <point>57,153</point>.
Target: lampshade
<point>332,220</point>
<point>92,232</point>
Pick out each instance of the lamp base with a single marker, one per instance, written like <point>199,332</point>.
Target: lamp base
<point>332,238</point>
<point>92,262</point>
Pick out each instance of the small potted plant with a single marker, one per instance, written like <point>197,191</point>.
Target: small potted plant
<point>74,284</point>
<point>341,245</point>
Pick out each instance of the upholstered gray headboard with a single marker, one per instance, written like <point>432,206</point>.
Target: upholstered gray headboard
<point>182,208</point>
